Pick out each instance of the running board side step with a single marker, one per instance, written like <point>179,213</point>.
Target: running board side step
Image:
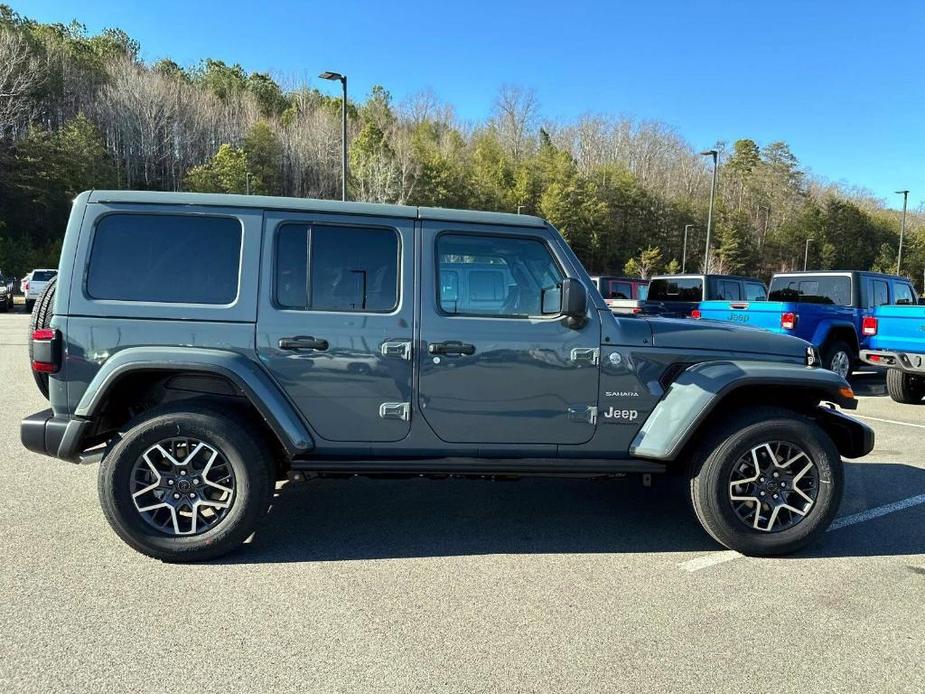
<point>481,466</point>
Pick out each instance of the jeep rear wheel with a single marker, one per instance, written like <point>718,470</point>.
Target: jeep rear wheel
<point>905,388</point>
<point>186,485</point>
<point>768,482</point>
<point>839,357</point>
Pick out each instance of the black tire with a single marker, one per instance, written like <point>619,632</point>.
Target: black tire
<point>30,306</point>
<point>42,313</point>
<point>239,442</point>
<point>905,388</point>
<point>713,465</point>
<point>833,352</point>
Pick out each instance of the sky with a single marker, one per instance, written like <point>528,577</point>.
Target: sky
<point>841,81</point>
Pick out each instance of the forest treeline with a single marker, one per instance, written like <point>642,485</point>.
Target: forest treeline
<point>80,111</point>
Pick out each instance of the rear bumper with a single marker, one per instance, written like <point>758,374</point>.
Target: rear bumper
<point>904,361</point>
<point>56,435</point>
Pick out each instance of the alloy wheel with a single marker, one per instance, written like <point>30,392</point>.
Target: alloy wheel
<point>182,486</point>
<point>841,364</point>
<point>773,486</point>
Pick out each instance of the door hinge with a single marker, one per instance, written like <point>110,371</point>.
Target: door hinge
<point>396,348</point>
<point>586,355</point>
<point>583,414</point>
<point>395,410</point>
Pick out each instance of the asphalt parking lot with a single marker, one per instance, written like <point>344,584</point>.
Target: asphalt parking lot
<point>462,586</point>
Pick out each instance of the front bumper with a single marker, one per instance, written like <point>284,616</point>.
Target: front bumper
<point>853,439</point>
<point>904,361</point>
<point>59,436</point>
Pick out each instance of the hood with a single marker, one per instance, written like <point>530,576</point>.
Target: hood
<point>687,333</point>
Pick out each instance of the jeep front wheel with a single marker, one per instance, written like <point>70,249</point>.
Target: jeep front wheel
<point>768,482</point>
<point>186,485</point>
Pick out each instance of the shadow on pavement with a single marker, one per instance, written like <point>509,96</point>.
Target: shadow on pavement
<point>356,519</point>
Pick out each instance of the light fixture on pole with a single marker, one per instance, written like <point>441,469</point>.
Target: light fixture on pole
<point>687,228</point>
<point>902,229</point>
<point>706,258</point>
<point>343,132</point>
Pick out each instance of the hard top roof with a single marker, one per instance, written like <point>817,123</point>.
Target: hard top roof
<point>312,205</point>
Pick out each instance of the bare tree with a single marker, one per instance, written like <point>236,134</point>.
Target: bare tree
<point>21,77</point>
<point>514,118</point>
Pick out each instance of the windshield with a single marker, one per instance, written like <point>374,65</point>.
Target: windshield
<point>834,290</point>
<point>681,289</point>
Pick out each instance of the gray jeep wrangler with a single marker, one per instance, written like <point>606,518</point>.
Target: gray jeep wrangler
<point>202,347</point>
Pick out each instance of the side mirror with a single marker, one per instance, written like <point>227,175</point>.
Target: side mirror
<point>574,302</point>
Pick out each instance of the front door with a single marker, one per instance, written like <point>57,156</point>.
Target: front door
<point>497,362</point>
<point>335,326</point>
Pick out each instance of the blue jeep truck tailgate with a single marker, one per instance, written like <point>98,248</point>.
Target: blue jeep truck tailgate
<point>899,328</point>
<point>756,314</point>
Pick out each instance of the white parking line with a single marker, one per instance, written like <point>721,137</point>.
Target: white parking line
<point>889,421</point>
<point>715,558</point>
<point>709,560</point>
<point>877,512</point>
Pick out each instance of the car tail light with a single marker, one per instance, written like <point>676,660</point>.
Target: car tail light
<point>696,314</point>
<point>637,310</point>
<point>25,286</point>
<point>788,320</point>
<point>869,325</point>
<point>45,350</point>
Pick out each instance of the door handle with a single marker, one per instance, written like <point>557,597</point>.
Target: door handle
<point>303,342</point>
<point>451,347</point>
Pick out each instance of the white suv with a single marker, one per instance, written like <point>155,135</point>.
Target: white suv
<point>34,283</point>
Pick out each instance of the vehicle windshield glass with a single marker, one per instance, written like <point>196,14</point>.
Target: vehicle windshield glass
<point>812,290</point>
<point>43,275</point>
<point>682,289</point>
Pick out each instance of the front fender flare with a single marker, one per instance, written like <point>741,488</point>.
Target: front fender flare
<point>700,388</point>
<point>255,384</point>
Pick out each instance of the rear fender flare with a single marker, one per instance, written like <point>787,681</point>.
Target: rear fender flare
<point>701,388</point>
<point>825,330</point>
<point>254,383</point>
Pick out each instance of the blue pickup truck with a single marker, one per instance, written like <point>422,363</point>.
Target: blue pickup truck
<point>897,341</point>
<point>831,309</point>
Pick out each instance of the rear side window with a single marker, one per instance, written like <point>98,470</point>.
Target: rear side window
<point>165,258</point>
<point>904,295</point>
<point>755,292</point>
<point>43,275</point>
<point>330,268</point>
<point>729,290</point>
<point>811,290</point>
<point>682,289</point>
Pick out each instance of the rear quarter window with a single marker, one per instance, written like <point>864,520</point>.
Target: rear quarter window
<point>165,258</point>
<point>684,289</point>
<point>832,290</point>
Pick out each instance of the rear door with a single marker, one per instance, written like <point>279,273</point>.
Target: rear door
<point>335,321</point>
<point>495,368</point>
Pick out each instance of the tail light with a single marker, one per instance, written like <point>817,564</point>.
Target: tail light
<point>25,286</point>
<point>788,320</point>
<point>869,325</point>
<point>696,314</point>
<point>637,310</point>
<point>46,351</point>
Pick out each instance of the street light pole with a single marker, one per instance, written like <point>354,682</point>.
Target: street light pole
<point>806,255</point>
<point>706,258</point>
<point>902,229</point>
<point>687,227</point>
<point>343,130</point>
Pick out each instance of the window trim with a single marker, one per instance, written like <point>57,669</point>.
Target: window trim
<point>492,234</point>
<point>91,241</point>
<point>310,259</point>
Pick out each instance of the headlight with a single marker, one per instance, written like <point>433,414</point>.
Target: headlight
<point>812,357</point>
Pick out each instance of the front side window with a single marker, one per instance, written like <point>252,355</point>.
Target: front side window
<point>755,292</point>
<point>332,268</point>
<point>165,258</point>
<point>499,276</point>
<point>880,293</point>
<point>904,295</point>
